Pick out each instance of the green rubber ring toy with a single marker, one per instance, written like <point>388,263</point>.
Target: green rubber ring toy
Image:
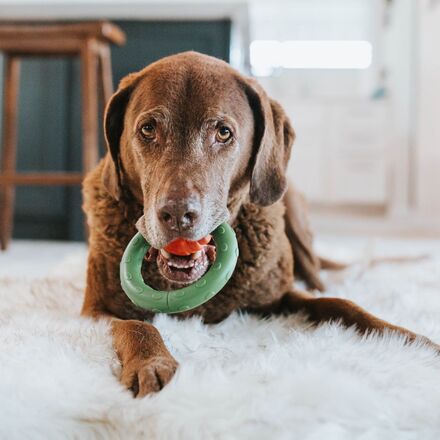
<point>189,297</point>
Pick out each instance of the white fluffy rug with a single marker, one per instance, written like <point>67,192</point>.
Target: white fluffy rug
<point>245,378</point>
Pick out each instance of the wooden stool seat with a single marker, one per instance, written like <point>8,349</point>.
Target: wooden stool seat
<point>89,41</point>
<point>56,38</point>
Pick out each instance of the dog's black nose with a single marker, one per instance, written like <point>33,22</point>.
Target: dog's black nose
<point>179,214</point>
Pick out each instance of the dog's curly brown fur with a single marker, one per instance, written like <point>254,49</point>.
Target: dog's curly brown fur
<point>269,238</point>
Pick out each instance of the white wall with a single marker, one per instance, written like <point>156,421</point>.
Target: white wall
<point>352,149</point>
<point>427,157</point>
<point>398,55</point>
<point>340,156</point>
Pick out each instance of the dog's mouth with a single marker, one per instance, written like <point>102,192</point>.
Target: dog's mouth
<point>184,264</point>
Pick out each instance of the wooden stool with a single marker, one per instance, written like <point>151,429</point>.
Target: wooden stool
<point>90,42</point>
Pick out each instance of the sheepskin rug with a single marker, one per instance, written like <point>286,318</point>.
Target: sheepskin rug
<point>246,378</point>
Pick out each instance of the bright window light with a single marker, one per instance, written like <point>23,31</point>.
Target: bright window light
<point>267,55</point>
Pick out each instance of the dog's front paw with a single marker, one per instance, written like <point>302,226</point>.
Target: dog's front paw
<point>145,376</point>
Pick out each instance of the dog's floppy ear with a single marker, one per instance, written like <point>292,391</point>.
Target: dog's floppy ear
<point>273,139</point>
<point>113,128</point>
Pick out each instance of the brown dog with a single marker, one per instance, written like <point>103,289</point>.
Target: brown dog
<point>193,143</point>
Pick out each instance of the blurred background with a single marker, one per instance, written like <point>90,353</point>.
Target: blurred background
<point>358,78</point>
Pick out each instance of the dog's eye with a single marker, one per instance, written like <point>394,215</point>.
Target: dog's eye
<point>223,134</point>
<point>148,131</point>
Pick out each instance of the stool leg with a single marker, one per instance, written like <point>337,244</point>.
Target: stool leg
<point>89,86</point>
<point>105,67</point>
<point>10,119</point>
<point>89,73</point>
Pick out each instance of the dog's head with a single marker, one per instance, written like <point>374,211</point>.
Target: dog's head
<point>186,135</point>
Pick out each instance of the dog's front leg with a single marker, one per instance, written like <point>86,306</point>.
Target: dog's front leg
<point>322,309</point>
<point>147,365</point>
